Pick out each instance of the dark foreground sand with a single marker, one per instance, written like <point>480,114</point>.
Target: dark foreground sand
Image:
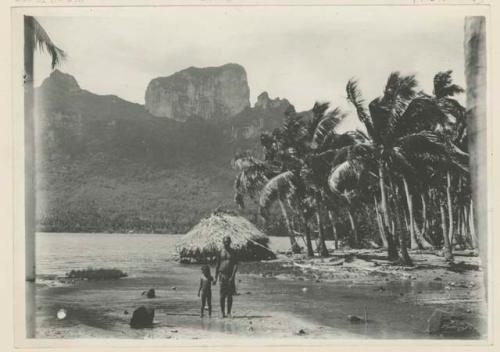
<point>285,298</point>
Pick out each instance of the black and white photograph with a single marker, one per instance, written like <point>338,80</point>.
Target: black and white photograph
<point>258,172</point>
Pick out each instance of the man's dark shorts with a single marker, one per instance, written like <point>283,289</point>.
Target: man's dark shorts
<point>227,286</point>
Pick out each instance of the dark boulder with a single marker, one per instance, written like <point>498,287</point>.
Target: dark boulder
<point>142,318</point>
<point>355,319</point>
<point>449,325</point>
<point>150,293</point>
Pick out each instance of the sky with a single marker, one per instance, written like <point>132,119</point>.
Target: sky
<point>304,54</point>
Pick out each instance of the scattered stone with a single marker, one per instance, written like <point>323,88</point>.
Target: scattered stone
<point>173,330</point>
<point>150,293</point>
<point>438,279</point>
<point>250,328</point>
<point>249,293</point>
<point>301,332</point>
<point>448,325</point>
<point>142,317</point>
<point>355,319</point>
<point>304,289</point>
<point>125,312</point>
<point>401,294</point>
<point>174,288</point>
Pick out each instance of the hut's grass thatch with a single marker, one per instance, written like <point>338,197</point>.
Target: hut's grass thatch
<point>204,241</point>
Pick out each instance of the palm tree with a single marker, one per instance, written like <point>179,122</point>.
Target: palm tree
<point>35,37</point>
<point>476,78</point>
<point>398,124</point>
<point>296,148</point>
<point>280,189</point>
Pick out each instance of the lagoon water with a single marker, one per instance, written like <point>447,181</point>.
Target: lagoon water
<point>148,260</point>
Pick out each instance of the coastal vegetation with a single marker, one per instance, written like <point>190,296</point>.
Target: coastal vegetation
<point>402,182</point>
<point>96,274</point>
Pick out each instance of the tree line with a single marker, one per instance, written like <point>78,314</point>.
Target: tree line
<point>404,177</point>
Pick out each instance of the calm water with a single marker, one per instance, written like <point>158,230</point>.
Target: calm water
<point>136,254</point>
<point>148,259</point>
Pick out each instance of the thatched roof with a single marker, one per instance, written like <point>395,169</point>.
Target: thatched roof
<point>204,241</point>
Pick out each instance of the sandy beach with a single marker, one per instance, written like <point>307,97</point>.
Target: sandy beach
<point>287,297</point>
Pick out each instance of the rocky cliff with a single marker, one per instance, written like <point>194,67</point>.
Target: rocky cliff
<point>212,93</point>
<point>266,115</point>
<point>265,102</point>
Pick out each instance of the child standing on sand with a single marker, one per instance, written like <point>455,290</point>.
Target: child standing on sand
<point>206,289</point>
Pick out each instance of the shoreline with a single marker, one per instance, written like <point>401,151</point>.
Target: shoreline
<point>274,300</point>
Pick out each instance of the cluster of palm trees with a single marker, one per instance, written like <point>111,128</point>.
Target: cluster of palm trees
<point>405,177</point>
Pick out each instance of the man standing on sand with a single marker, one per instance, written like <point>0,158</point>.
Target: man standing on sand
<point>225,272</point>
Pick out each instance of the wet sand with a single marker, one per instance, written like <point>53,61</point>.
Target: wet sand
<point>285,298</point>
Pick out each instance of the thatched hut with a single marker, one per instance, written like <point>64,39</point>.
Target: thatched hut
<point>204,241</point>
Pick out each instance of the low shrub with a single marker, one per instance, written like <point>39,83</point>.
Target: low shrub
<point>96,274</point>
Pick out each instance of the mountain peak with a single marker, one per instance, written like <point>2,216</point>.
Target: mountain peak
<point>265,102</point>
<point>61,81</point>
<point>207,92</point>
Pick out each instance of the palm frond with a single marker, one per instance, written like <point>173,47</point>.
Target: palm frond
<point>280,187</point>
<point>319,109</point>
<point>42,41</point>
<point>421,114</point>
<point>444,86</point>
<point>400,87</point>
<point>424,142</point>
<point>251,179</point>
<point>294,129</point>
<point>326,127</point>
<point>355,98</point>
<point>344,176</point>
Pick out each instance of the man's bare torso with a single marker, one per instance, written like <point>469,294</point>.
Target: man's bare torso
<point>227,262</point>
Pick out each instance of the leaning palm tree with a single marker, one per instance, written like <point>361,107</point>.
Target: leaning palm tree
<point>280,189</point>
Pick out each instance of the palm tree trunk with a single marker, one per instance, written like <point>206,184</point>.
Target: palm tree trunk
<point>450,207</point>
<point>476,79</point>
<point>446,240</point>
<point>425,225</point>
<point>293,243</point>
<point>353,229</point>
<point>307,231</point>
<point>403,242</point>
<point>472,228</point>
<point>334,230</point>
<point>29,177</point>
<point>464,234</point>
<point>413,239</point>
<point>380,224</point>
<point>392,253</point>
<point>322,250</point>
